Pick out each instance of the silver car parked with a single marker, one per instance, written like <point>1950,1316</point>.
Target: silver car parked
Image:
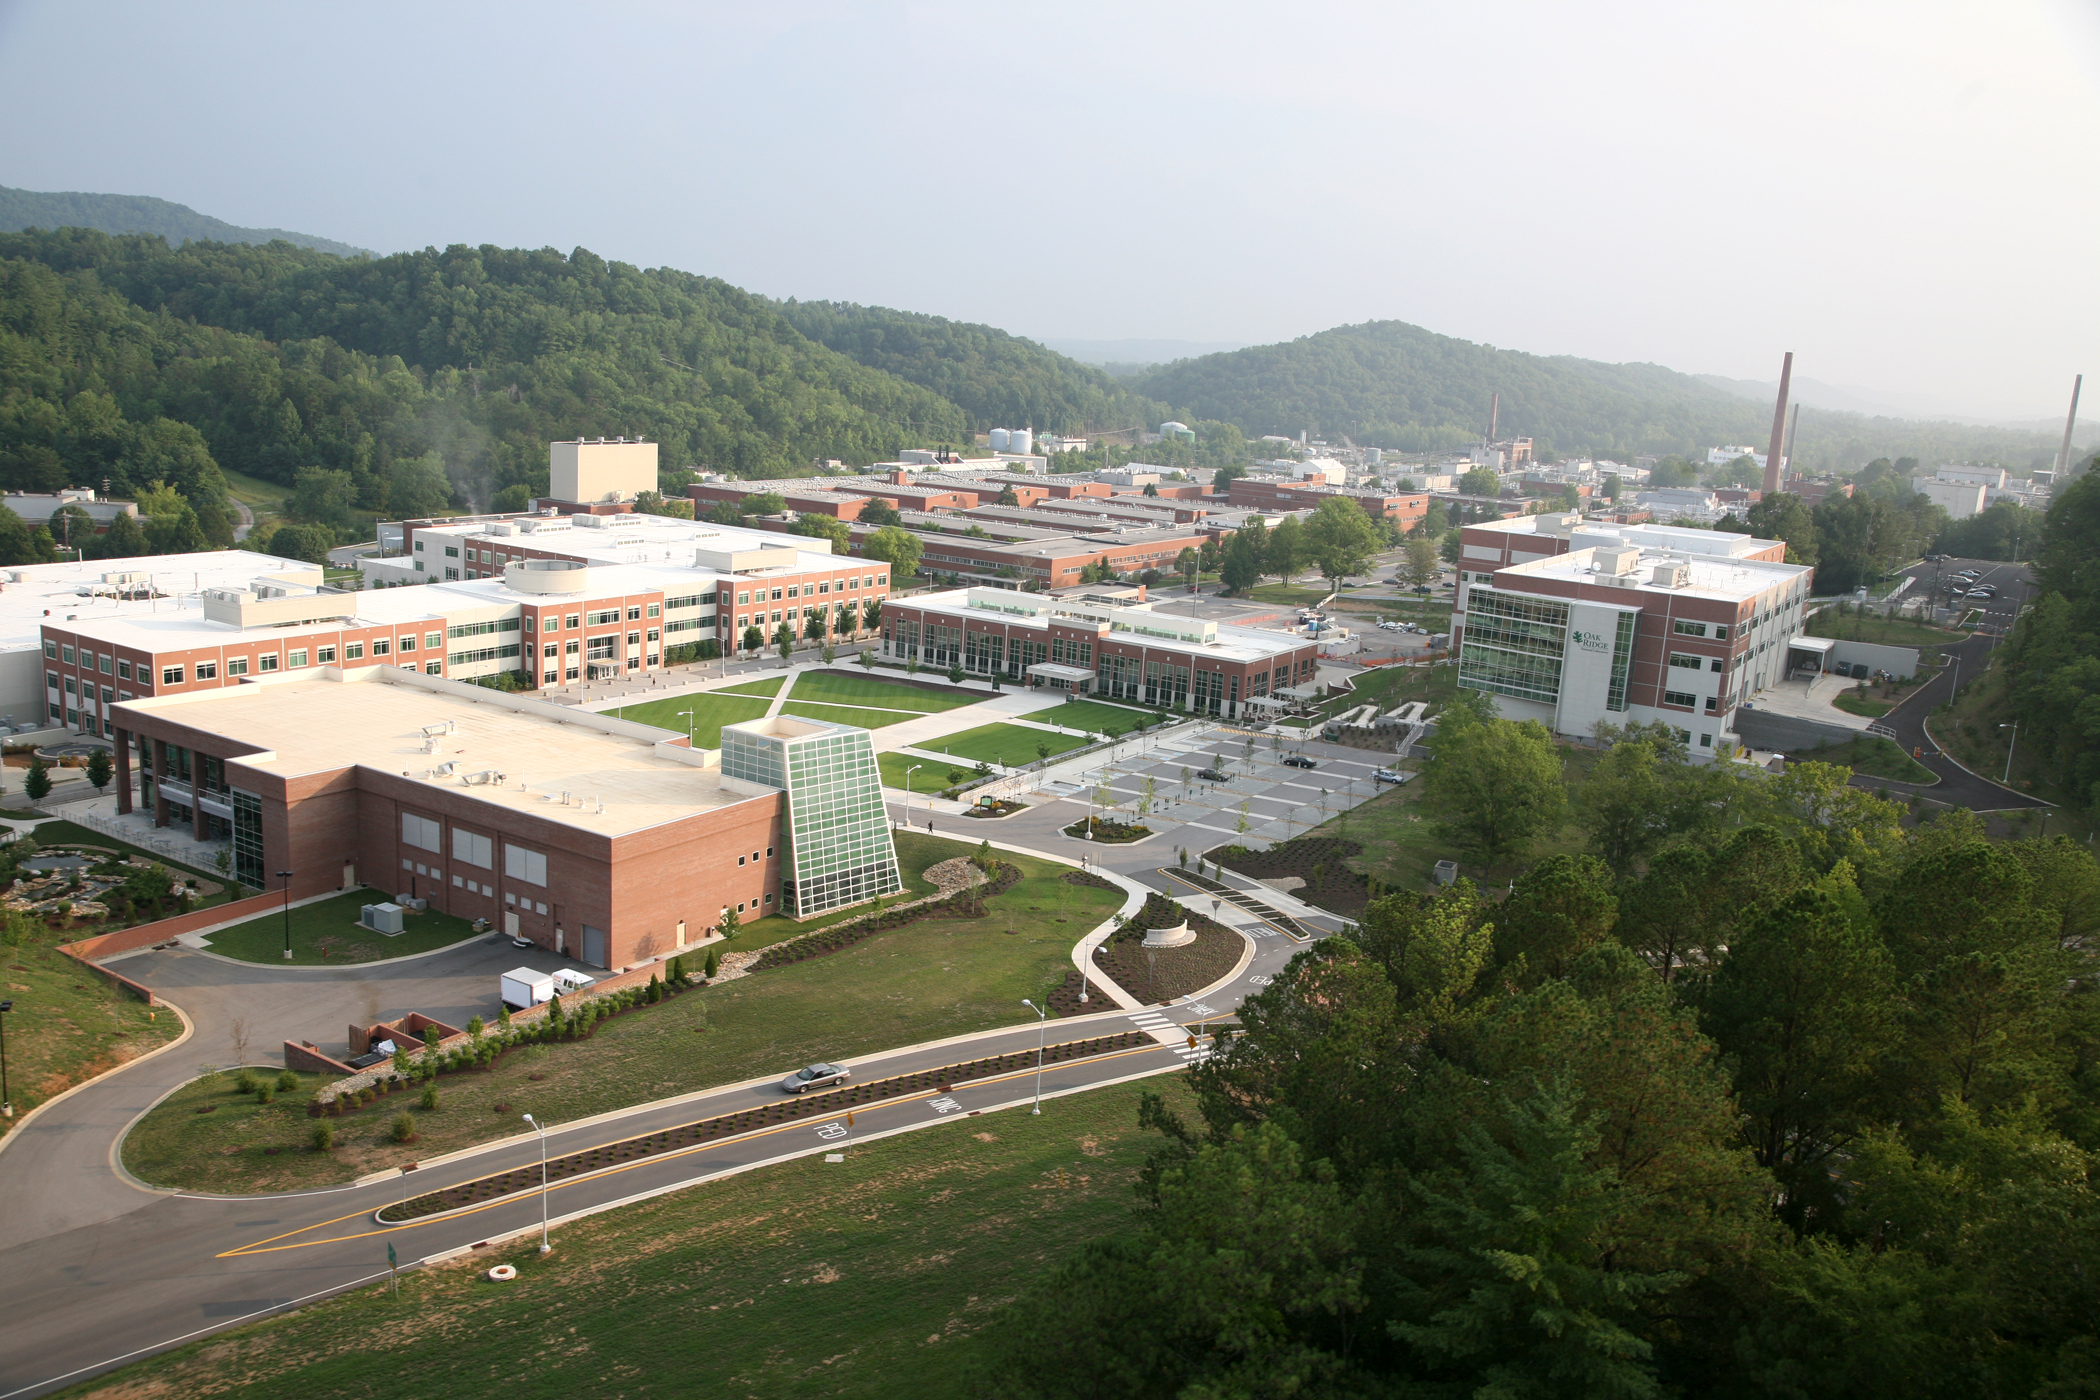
<point>815,1077</point>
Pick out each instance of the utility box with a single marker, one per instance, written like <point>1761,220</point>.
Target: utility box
<point>522,987</point>
<point>381,918</point>
<point>1446,871</point>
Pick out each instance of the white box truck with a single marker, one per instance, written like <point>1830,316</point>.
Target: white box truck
<point>522,987</point>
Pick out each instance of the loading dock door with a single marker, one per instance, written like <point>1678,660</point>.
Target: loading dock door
<point>595,951</point>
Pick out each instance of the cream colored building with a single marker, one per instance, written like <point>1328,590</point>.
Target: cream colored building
<point>602,469</point>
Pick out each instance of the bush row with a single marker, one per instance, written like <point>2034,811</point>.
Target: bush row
<point>962,904</point>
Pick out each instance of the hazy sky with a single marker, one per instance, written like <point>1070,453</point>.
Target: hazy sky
<point>1900,193</point>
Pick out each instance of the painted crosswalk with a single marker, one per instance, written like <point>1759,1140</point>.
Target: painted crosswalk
<point>1170,1034</point>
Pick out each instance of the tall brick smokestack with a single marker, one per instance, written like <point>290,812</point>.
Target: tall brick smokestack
<point>1494,414</point>
<point>2063,456</point>
<point>1778,447</point>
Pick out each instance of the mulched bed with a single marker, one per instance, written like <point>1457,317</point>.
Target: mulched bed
<point>1064,999</point>
<point>1321,861</point>
<point>1161,974</point>
<point>1001,808</point>
<point>835,1102</point>
<point>1113,832</point>
<point>1088,879</point>
<point>962,904</point>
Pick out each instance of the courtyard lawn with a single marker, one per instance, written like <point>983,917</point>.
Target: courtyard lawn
<point>847,714</point>
<point>827,688</point>
<point>327,933</point>
<point>1010,744</point>
<point>931,777</point>
<point>710,713</point>
<point>769,686</point>
<point>801,1279</point>
<point>1095,716</point>
<point>1296,595</point>
<point>924,981</point>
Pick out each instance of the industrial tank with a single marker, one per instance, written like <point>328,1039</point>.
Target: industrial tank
<point>1000,437</point>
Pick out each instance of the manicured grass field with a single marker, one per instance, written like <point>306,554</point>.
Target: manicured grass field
<point>1010,744</point>
<point>880,694</point>
<point>931,777</point>
<point>327,933</point>
<point>925,981</point>
<point>710,713</point>
<point>847,714</point>
<point>769,686</point>
<point>1095,716</point>
<point>68,1025</point>
<point>873,1278</point>
<point>1853,703</point>
<point>1297,595</point>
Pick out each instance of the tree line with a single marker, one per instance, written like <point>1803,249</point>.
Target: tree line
<point>1799,1107</point>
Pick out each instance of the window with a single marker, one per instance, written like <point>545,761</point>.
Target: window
<point>1688,629</point>
<point>434,641</point>
<point>655,610</point>
<point>171,675</point>
<point>419,545</point>
<point>267,661</point>
<point>381,646</point>
<point>325,655</point>
<point>51,649</point>
<point>72,686</point>
<point>123,670</point>
<point>51,680</point>
<point>634,613</point>
<point>421,832</point>
<point>574,619</point>
<point>824,587</point>
<point>209,670</point>
<point>571,646</point>
<point>1678,697</point>
<point>408,643</point>
<point>296,659</point>
<point>1713,663</point>
<point>433,668</point>
<point>452,551</point>
<point>654,635</point>
<point>1706,741</point>
<point>102,663</point>
<point>527,865</point>
<point>235,666</point>
<point>634,639</point>
<point>605,617</point>
<point>793,591</point>
<point>354,651</point>
<point>1689,663</point>
<point>742,599</point>
<point>449,573</point>
<point>1721,633</point>
<point>474,849</point>
<point>881,581</point>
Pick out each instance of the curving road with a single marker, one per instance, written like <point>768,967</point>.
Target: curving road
<point>102,1269</point>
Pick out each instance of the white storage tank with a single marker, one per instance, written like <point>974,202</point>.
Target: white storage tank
<point>1000,437</point>
<point>1020,440</point>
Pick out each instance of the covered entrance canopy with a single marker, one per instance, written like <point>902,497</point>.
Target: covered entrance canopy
<point>1062,677</point>
<point>1810,652</point>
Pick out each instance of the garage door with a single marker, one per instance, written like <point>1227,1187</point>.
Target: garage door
<point>595,951</point>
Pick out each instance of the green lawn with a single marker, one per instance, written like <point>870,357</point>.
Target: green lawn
<point>710,713</point>
<point>799,1280</point>
<point>1095,716</point>
<point>769,686</point>
<point>253,490</point>
<point>1885,631</point>
<point>1296,595</point>
<point>1853,703</point>
<point>1873,756</point>
<point>328,933</point>
<point>931,777</point>
<point>846,714</point>
<point>68,1026</point>
<point>1010,744</point>
<point>880,694</point>
<point>925,981</point>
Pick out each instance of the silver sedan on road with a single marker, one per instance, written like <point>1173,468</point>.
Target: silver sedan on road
<point>815,1077</point>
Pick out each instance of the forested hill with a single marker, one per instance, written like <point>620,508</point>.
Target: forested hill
<point>999,380</point>
<point>137,213</point>
<point>1391,384</point>
<point>282,358</point>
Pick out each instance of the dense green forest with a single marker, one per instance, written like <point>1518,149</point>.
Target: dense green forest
<point>1394,385</point>
<point>999,380</point>
<point>2053,663</point>
<point>282,358</point>
<point>137,213</point>
<point>1770,1096</point>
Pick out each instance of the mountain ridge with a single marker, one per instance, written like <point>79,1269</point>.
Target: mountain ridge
<point>143,213</point>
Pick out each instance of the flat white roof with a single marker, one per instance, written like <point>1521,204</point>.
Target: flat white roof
<point>80,593</point>
<point>1232,643</point>
<point>1708,576</point>
<point>376,717</point>
<point>638,539</point>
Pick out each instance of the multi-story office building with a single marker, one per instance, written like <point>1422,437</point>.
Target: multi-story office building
<point>1096,644</point>
<point>1572,624</point>
<point>1404,509</point>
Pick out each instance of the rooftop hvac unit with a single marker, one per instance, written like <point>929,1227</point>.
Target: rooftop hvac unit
<point>1672,575</point>
<point>381,918</point>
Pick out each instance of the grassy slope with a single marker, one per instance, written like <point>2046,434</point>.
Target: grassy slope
<point>1872,755</point>
<point>68,1025</point>
<point>328,932</point>
<point>870,1278</point>
<point>926,981</point>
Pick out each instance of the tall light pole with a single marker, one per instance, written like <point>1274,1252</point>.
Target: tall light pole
<point>907,791</point>
<point>687,716</point>
<point>286,876</point>
<point>2010,746</point>
<point>1042,1026</point>
<point>7,1104</point>
<point>545,1248</point>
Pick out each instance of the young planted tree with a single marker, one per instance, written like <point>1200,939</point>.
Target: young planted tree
<point>37,782</point>
<point>754,640</point>
<point>100,769</point>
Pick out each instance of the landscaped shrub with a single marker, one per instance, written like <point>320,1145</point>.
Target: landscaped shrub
<point>265,1094</point>
<point>430,1096</point>
<point>247,1083</point>
<point>714,963</point>
<point>404,1128</point>
<point>324,1137</point>
<point>288,1083</point>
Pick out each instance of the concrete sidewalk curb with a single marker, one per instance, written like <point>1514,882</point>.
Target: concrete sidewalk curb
<point>189,1028</point>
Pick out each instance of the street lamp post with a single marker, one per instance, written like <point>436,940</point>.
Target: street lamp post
<point>2015,728</point>
<point>1042,1026</point>
<point>545,1248</point>
<point>687,716</point>
<point>7,1104</point>
<point>907,791</point>
<point>286,876</point>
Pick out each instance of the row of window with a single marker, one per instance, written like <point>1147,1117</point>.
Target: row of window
<point>519,862</point>
<point>810,590</point>
<point>605,617</point>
